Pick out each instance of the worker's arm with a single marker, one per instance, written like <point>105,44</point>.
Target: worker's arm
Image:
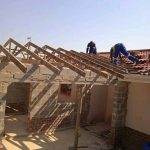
<point>121,61</point>
<point>87,49</point>
<point>111,55</point>
<point>95,50</point>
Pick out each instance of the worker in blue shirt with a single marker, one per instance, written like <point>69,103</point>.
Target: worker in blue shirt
<point>91,48</point>
<point>116,52</point>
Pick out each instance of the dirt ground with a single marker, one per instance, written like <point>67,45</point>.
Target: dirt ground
<point>60,140</point>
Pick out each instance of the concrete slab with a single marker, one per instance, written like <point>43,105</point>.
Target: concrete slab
<point>60,140</point>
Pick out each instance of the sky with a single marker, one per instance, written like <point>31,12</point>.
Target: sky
<point>71,24</point>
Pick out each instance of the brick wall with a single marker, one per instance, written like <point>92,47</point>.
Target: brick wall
<point>119,113</point>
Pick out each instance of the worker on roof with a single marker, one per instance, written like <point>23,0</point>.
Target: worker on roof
<point>91,48</point>
<point>116,52</point>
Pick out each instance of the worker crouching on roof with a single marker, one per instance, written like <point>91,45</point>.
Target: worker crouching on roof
<point>91,48</point>
<point>116,52</point>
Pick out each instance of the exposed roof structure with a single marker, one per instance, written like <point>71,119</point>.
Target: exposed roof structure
<point>55,59</point>
<point>143,67</point>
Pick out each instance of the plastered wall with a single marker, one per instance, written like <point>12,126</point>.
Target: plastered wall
<point>98,103</point>
<point>109,106</point>
<point>138,107</point>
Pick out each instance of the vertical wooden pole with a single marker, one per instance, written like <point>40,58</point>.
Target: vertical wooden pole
<point>79,109</point>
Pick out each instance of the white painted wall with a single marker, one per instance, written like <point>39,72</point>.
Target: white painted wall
<point>138,107</point>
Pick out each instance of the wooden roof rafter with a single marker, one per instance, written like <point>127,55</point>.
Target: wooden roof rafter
<point>104,63</point>
<point>58,59</point>
<point>35,56</point>
<point>10,56</point>
<point>107,62</point>
<point>94,64</point>
<point>99,72</point>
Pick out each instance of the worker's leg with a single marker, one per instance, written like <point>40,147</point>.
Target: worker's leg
<point>115,55</point>
<point>125,53</point>
<point>132,58</point>
<point>115,61</point>
<point>123,50</point>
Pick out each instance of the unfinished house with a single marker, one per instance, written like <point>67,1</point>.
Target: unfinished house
<point>43,89</point>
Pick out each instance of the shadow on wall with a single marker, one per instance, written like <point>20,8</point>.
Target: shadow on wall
<point>46,112</point>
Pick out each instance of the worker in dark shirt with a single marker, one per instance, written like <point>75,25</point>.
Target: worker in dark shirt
<point>116,52</point>
<point>91,48</point>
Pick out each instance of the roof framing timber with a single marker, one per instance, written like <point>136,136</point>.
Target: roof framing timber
<point>107,60</point>
<point>23,48</point>
<point>13,59</point>
<point>98,71</point>
<point>89,61</point>
<point>106,68</point>
<point>72,67</point>
<point>106,64</point>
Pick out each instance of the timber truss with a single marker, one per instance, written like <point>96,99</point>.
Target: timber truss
<point>55,59</point>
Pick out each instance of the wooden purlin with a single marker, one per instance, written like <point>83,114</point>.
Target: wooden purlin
<point>72,67</point>
<point>13,59</point>
<point>108,69</point>
<point>99,72</point>
<point>45,63</point>
<point>87,60</point>
<point>107,60</point>
<point>104,63</point>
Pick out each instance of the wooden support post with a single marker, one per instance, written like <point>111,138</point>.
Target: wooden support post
<point>79,109</point>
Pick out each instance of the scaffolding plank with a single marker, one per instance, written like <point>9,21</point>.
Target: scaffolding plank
<point>72,67</point>
<point>98,71</point>
<point>45,63</point>
<point>13,59</point>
